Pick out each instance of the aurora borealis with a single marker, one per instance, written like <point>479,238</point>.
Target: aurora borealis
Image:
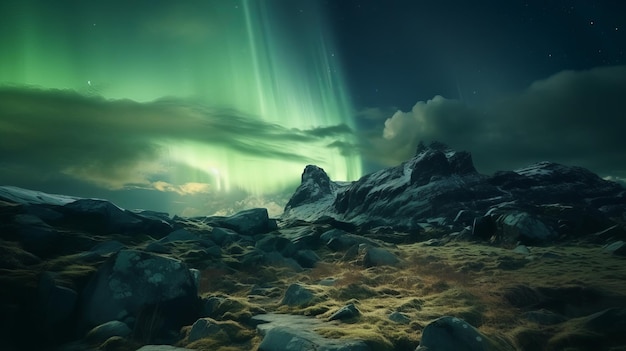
<point>210,106</point>
<point>175,81</point>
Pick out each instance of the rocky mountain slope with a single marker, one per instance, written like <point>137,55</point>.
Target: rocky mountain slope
<point>441,187</point>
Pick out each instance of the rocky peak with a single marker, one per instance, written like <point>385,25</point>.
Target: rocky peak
<point>315,185</point>
<point>438,160</point>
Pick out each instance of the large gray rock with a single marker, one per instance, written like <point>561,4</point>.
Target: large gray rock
<point>376,256</point>
<point>101,215</point>
<point>339,240</point>
<point>249,222</point>
<point>224,236</point>
<point>297,295</point>
<point>95,215</point>
<point>269,243</point>
<point>283,332</point>
<point>306,258</point>
<point>203,328</point>
<point>346,312</point>
<point>452,334</point>
<point>290,339</point>
<point>525,228</point>
<point>399,317</point>
<point>132,285</point>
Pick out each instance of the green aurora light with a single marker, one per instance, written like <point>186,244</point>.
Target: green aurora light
<point>266,59</point>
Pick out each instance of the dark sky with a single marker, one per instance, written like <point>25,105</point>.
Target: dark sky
<point>198,107</point>
<point>400,52</point>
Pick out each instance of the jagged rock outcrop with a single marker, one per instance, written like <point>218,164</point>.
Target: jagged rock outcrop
<point>138,286</point>
<point>439,184</point>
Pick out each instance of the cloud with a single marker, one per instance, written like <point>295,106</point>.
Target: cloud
<point>329,131</point>
<point>120,143</point>
<point>572,117</point>
<point>183,189</point>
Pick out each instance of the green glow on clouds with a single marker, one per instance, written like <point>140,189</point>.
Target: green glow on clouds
<point>255,57</point>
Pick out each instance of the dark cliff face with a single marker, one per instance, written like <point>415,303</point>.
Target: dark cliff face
<point>439,163</point>
<point>402,190</point>
<point>438,183</point>
<point>315,184</point>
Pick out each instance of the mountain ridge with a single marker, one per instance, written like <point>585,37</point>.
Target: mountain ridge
<point>438,184</point>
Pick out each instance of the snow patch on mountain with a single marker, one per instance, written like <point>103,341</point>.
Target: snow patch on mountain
<point>31,197</point>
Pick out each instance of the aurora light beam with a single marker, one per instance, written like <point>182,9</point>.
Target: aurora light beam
<point>273,61</point>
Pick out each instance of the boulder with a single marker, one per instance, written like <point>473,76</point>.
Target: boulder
<point>249,222</point>
<point>102,332</point>
<point>306,258</point>
<point>525,228</point>
<point>376,256</point>
<point>290,339</point>
<point>284,332</point>
<point>452,334</point>
<point>348,311</point>
<point>339,240</point>
<point>297,295</point>
<point>269,243</point>
<point>101,216</point>
<point>203,328</point>
<point>224,236</point>
<point>141,287</point>
<point>399,317</point>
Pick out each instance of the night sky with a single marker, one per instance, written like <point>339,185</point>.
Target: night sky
<point>203,107</point>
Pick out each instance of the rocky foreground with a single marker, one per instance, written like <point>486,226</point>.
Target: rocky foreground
<point>429,255</point>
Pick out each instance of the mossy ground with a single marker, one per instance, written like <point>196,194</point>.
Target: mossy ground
<point>462,279</point>
<point>469,280</point>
